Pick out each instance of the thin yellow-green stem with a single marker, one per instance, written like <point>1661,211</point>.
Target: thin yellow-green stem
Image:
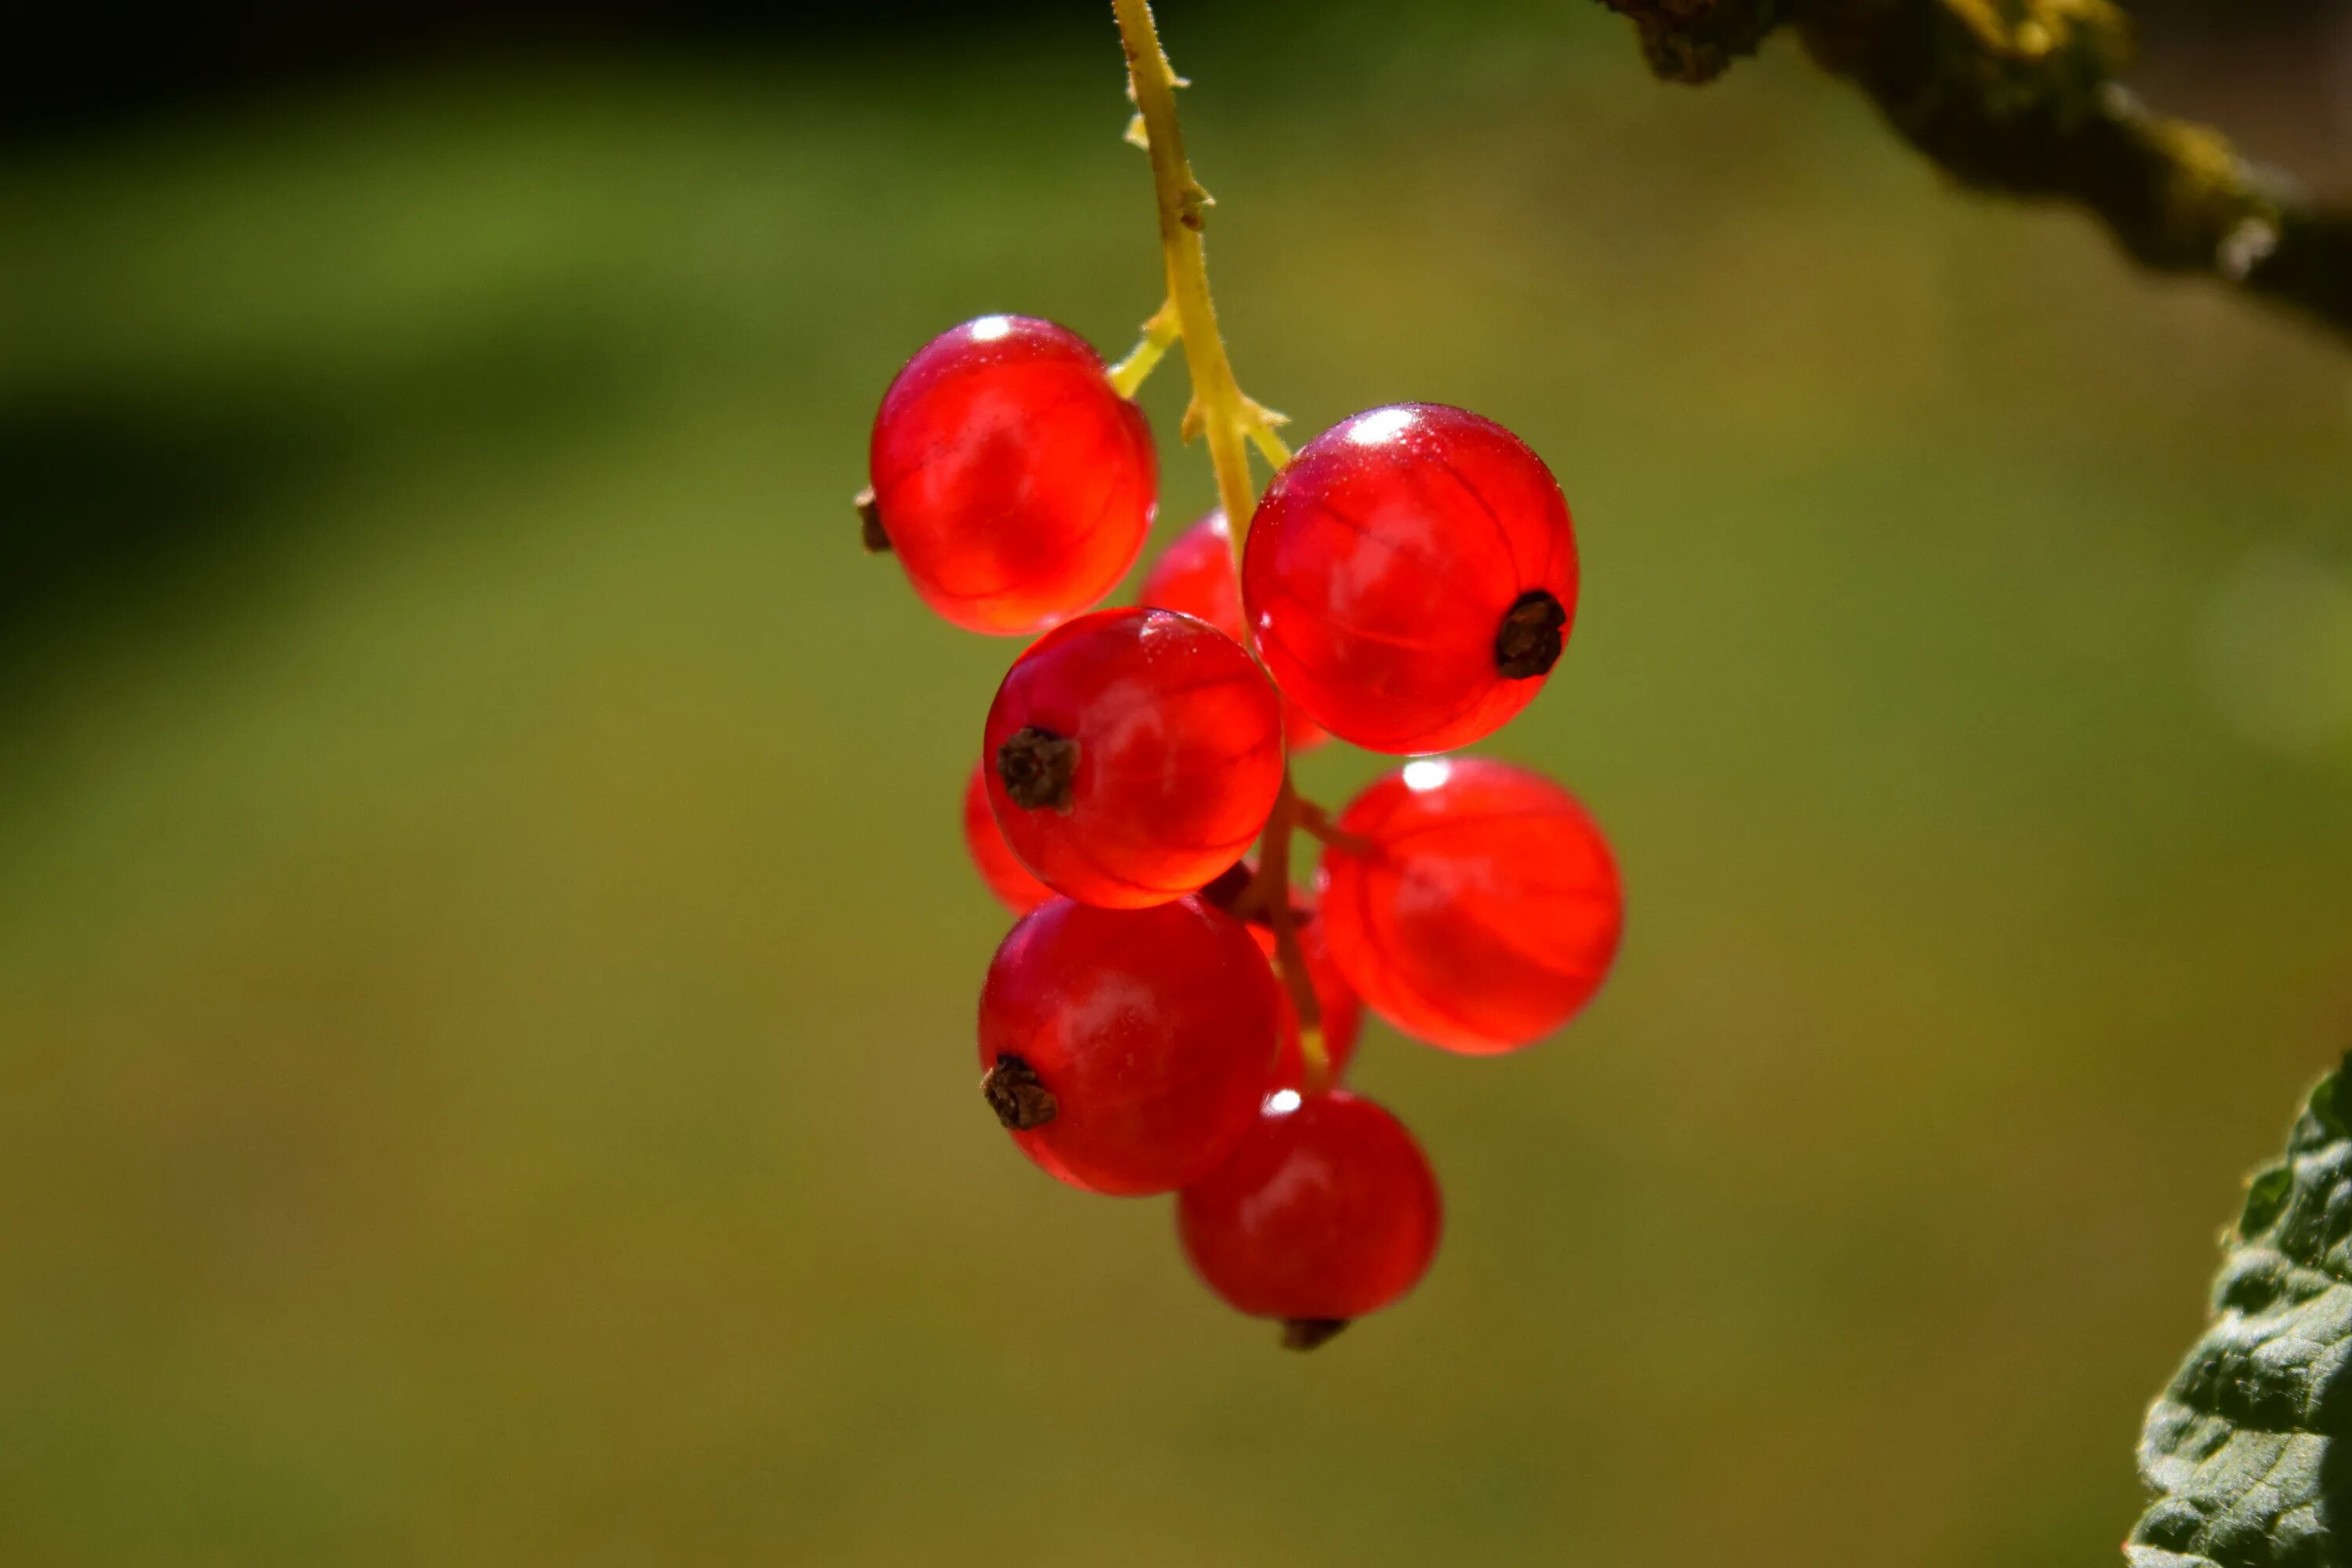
<point>1228,422</point>
<point>1320,827</point>
<point>1276,454</point>
<point>1220,413</point>
<point>1157,332</point>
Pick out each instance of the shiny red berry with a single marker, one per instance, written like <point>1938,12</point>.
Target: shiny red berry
<point>1126,1050</point>
<point>1132,755</point>
<point>1325,1211</point>
<point>1006,877</point>
<point>1485,908</point>
<point>1195,574</point>
<point>1013,483</point>
<point>1410,577</point>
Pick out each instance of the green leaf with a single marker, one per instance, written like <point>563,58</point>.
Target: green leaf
<point>2247,1451</point>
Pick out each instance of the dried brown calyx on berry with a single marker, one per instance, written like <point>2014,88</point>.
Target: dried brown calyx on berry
<point>1039,768</point>
<point>1529,641</point>
<point>1013,1091</point>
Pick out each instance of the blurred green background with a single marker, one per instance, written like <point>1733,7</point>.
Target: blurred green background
<point>486,959</point>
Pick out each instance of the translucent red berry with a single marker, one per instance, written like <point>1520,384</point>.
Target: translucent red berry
<point>1132,755</point>
<point>1006,877</point>
<point>1410,577</point>
<point>1325,1211</point>
<point>1013,483</point>
<point>1126,1050</point>
<point>1485,908</point>
<point>1195,574</point>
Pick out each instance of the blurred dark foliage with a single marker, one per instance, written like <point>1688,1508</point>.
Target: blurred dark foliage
<point>94,64</point>
<point>134,487</point>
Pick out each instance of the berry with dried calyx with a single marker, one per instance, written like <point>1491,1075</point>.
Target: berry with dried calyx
<point>1013,484</point>
<point>1410,577</point>
<point>1131,755</point>
<point>1126,1050</point>
<point>1325,1211</point>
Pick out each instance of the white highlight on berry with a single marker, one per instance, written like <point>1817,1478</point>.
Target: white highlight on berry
<point>988,329</point>
<point>1427,773</point>
<point>1282,1102</point>
<point>1381,425</point>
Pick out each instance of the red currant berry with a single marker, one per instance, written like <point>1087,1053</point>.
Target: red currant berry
<point>1126,1050</point>
<point>1132,755</point>
<point>1325,1211</point>
<point>1195,574</point>
<point>1006,877</point>
<point>1483,911</point>
<point>1343,1010</point>
<point>1014,483</point>
<point>1410,577</point>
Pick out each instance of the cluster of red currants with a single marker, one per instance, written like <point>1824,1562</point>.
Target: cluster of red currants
<point>1167,1015</point>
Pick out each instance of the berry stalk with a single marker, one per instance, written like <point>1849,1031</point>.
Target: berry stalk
<point>1223,416</point>
<point>1273,889</point>
<point>1162,330</point>
<point>1229,422</point>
